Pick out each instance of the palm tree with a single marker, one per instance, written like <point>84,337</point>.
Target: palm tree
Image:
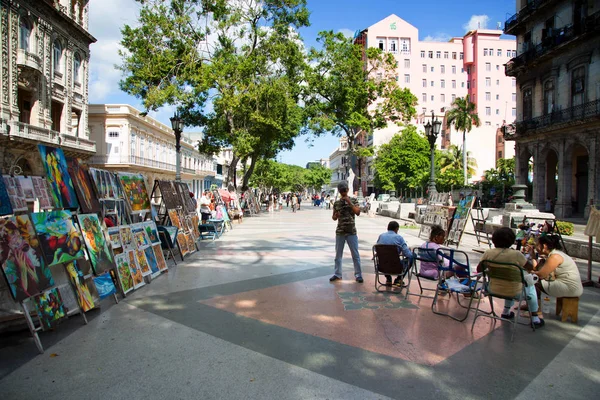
<point>463,116</point>
<point>453,159</point>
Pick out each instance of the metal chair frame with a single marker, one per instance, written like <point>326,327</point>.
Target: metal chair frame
<point>485,277</point>
<point>417,256</point>
<point>397,266</point>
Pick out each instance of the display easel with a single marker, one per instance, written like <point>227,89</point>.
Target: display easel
<point>459,222</point>
<point>157,199</point>
<point>437,213</point>
<point>479,227</point>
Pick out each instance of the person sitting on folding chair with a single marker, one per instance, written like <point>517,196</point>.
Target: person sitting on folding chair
<point>429,269</point>
<point>503,238</point>
<point>392,237</point>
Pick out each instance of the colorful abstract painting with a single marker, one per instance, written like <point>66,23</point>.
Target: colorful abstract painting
<point>127,237</point>
<point>88,200</point>
<point>104,285</point>
<point>50,308</point>
<point>15,193</point>
<point>114,178</point>
<point>142,262</point>
<point>114,234</point>
<point>100,255</point>
<point>27,187</point>
<point>76,276</point>
<point>139,235</point>
<point>59,238</point>
<point>21,258</point>
<point>174,217</point>
<point>463,207</point>
<point>42,193</point>
<point>5,205</point>
<point>151,231</point>
<point>151,258</point>
<point>136,273</point>
<point>57,174</point>
<point>124,272</point>
<point>160,257</point>
<point>135,190</point>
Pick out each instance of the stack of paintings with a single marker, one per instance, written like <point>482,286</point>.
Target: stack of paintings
<point>15,193</point>
<point>88,200</point>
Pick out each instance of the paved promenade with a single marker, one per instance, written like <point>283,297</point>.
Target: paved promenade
<point>254,316</point>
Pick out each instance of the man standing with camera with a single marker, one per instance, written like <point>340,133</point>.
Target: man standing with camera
<point>344,212</point>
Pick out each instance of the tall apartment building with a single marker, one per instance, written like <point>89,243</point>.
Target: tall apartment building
<point>339,163</point>
<point>44,81</point>
<point>129,142</point>
<point>439,72</point>
<point>557,69</point>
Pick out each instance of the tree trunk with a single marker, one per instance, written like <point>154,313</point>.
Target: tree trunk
<point>464,160</point>
<point>231,172</point>
<point>248,173</point>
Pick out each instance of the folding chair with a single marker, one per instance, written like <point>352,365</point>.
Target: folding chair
<point>388,261</point>
<point>461,269</point>
<point>166,244</point>
<point>503,281</point>
<point>422,255</point>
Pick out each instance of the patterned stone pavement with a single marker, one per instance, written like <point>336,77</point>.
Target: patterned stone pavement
<point>253,315</point>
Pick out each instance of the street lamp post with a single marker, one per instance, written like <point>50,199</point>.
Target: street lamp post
<point>432,130</point>
<point>177,125</point>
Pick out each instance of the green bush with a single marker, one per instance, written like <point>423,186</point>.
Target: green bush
<point>565,228</point>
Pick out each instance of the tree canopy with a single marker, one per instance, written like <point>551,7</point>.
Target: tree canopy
<point>272,176</point>
<point>463,115</point>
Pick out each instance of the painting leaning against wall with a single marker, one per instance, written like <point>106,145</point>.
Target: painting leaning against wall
<point>57,174</point>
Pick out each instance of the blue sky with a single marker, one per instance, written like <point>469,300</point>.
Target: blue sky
<point>435,19</point>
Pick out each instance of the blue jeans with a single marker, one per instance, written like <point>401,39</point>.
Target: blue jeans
<point>530,296</point>
<point>340,241</point>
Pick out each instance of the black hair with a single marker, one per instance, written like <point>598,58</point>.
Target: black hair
<point>503,238</point>
<point>552,241</point>
<point>393,226</point>
<point>435,231</point>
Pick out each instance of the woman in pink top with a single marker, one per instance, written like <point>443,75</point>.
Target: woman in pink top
<point>429,269</point>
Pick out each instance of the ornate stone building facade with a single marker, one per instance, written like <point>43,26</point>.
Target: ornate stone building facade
<point>44,87</point>
<point>557,131</point>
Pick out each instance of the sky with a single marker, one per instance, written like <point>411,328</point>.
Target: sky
<point>435,19</point>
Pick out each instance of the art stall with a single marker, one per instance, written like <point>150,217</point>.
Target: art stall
<point>67,241</point>
<point>437,213</point>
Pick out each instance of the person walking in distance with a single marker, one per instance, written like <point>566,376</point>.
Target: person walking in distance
<point>345,211</point>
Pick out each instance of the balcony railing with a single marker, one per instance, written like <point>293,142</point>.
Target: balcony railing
<point>146,162</point>
<point>523,14</point>
<point>46,136</point>
<point>583,113</point>
<point>555,39</point>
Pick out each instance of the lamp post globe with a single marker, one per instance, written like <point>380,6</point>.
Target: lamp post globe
<point>177,125</point>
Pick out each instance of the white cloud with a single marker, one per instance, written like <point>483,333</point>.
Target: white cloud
<point>477,22</point>
<point>349,33</point>
<point>438,37</point>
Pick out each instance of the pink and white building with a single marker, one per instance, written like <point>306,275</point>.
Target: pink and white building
<point>439,72</point>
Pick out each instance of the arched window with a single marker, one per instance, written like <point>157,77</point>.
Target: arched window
<point>24,33</point>
<point>76,68</point>
<point>56,55</point>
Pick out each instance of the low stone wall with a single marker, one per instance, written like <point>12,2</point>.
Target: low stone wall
<point>579,249</point>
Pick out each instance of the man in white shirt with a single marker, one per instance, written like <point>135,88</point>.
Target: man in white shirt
<point>205,206</point>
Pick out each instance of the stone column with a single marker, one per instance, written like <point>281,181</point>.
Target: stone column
<point>538,195</point>
<point>592,173</point>
<point>520,165</point>
<point>563,206</point>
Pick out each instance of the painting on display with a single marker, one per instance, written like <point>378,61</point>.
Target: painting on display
<point>100,255</point>
<point>174,216</point>
<point>15,193</point>
<point>151,231</point>
<point>124,272</point>
<point>126,237</point>
<point>50,308</point>
<point>27,186</point>
<point>42,192</point>
<point>84,266</point>
<point>169,195</point>
<point>104,285</point>
<point>114,177</point>
<point>151,259</point>
<point>59,238</point>
<point>172,232</point>
<point>135,191</point>
<point>88,200</point>
<point>195,226</point>
<point>139,235</point>
<point>140,256</point>
<point>57,174</point>
<point>183,191</point>
<point>160,257</point>
<point>190,242</point>
<point>5,205</point>
<point>136,273</point>
<point>91,285</point>
<point>463,207</point>
<point>114,233</point>
<point>21,258</point>
<point>103,182</point>
<point>76,276</point>
<point>182,242</point>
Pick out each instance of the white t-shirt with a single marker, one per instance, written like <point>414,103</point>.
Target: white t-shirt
<point>204,205</point>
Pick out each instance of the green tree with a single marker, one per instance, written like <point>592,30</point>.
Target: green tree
<point>452,158</point>
<point>351,90</point>
<point>403,162</point>
<point>463,116</point>
<point>316,176</point>
<point>244,59</point>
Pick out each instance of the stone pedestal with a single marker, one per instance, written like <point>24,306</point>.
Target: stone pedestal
<point>515,212</point>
